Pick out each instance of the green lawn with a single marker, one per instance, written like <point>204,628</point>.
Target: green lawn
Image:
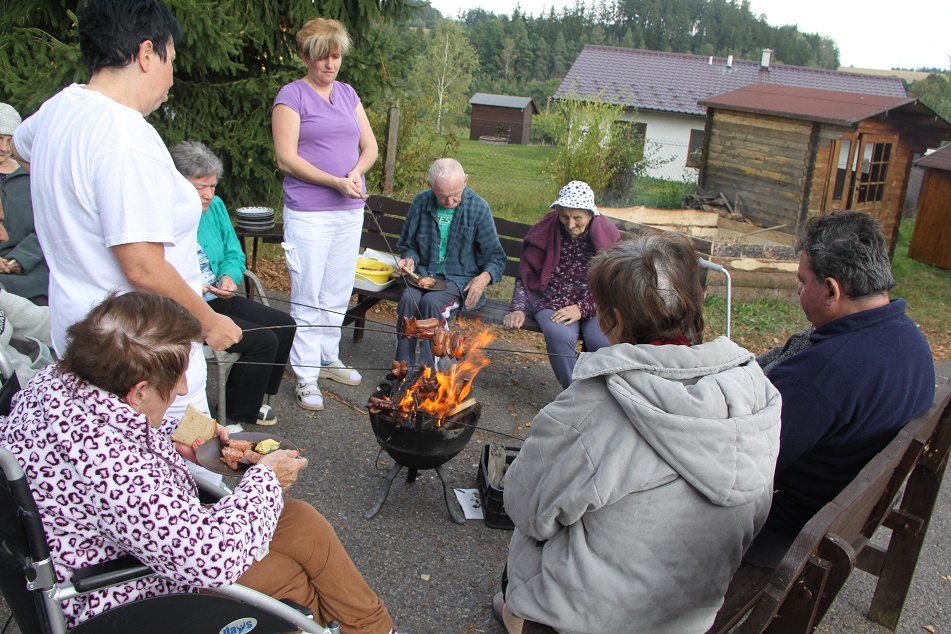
<point>510,178</point>
<point>926,289</point>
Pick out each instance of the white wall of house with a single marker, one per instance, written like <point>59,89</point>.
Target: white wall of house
<point>667,141</point>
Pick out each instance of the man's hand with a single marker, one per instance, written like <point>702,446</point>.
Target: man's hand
<point>515,319</point>
<point>567,315</point>
<point>406,265</point>
<point>474,289</point>
<point>10,266</point>
<point>221,333</point>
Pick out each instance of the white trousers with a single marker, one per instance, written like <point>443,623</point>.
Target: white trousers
<point>321,249</point>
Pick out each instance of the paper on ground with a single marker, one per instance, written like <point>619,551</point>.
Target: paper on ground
<point>471,503</point>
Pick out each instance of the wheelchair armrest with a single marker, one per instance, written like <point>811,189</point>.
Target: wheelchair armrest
<point>109,573</point>
<point>303,609</point>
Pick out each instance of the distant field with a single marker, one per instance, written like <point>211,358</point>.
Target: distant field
<point>510,178</point>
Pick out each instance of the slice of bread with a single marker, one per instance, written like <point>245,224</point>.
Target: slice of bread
<point>195,424</point>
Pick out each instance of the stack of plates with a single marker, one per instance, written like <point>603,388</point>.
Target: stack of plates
<point>255,218</point>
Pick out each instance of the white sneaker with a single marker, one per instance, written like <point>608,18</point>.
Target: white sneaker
<point>309,396</point>
<point>340,373</point>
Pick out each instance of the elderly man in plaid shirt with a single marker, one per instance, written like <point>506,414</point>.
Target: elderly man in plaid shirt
<point>449,235</point>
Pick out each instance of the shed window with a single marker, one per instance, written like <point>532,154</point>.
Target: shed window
<point>695,148</point>
<point>842,169</point>
<point>872,181</point>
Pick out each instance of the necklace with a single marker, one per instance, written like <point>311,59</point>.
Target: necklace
<point>317,90</point>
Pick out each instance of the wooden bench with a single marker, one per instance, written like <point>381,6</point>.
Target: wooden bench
<point>796,595</point>
<point>382,225</point>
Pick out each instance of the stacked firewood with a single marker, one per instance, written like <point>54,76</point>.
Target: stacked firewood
<point>716,202</point>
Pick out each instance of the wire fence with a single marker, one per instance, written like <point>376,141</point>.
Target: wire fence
<point>517,182</point>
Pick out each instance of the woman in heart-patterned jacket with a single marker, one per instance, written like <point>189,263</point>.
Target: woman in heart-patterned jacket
<point>89,433</point>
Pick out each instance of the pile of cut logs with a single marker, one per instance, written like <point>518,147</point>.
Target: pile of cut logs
<point>716,202</point>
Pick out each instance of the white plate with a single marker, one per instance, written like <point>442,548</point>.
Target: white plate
<point>254,211</point>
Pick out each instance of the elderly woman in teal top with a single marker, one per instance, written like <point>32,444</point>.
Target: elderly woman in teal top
<point>223,262</point>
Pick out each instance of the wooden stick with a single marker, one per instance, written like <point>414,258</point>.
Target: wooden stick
<point>466,404</point>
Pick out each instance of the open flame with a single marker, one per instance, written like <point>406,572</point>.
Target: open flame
<point>452,387</point>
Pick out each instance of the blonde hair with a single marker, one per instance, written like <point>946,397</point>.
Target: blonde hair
<point>320,37</point>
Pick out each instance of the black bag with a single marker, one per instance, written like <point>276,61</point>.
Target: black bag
<point>11,384</point>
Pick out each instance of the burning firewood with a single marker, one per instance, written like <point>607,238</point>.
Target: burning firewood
<point>434,394</point>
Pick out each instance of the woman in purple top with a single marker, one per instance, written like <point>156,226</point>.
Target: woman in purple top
<point>552,284</point>
<point>324,146</point>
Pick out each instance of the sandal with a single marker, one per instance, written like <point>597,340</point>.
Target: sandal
<point>309,396</point>
<point>340,373</point>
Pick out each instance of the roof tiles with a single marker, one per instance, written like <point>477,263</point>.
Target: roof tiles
<point>676,82</point>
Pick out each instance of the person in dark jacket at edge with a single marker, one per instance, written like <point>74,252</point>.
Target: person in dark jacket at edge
<point>849,383</point>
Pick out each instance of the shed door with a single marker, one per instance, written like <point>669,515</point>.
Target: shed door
<point>860,177</point>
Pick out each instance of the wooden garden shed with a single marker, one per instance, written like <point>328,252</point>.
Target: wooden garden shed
<point>502,115</point>
<point>931,240</point>
<point>789,153</point>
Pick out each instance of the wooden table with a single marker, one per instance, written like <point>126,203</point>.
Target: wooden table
<point>274,235</point>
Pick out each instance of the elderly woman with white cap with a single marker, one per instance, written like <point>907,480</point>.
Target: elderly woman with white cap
<point>552,285</point>
<point>23,269</point>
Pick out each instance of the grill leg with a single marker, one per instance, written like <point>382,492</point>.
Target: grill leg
<point>384,491</point>
<point>450,498</point>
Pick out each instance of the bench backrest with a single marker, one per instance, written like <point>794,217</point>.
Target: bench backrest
<point>385,216</point>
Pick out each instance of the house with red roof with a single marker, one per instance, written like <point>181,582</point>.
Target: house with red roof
<point>663,91</point>
<point>786,153</point>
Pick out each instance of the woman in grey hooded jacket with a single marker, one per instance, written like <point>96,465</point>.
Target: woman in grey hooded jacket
<point>644,482</point>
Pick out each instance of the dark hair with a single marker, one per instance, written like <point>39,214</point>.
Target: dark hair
<point>131,338</point>
<point>849,247</point>
<point>653,282</point>
<point>110,31</point>
<point>194,159</point>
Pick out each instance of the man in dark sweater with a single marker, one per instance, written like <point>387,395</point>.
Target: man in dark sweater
<point>851,384</point>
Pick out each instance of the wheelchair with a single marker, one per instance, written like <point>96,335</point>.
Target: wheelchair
<point>28,580</point>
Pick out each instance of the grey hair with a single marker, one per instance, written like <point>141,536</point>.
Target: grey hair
<point>849,247</point>
<point>194,159</point>
<point>445,168</point>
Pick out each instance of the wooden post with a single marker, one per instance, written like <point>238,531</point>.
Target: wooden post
<point>389,161</point>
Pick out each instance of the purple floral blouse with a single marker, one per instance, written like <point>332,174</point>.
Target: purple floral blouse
<point>568,283</point>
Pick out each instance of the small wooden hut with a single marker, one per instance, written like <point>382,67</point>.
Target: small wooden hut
<point>789,153</point>
<point>931,240</point>
<point>502,116</point>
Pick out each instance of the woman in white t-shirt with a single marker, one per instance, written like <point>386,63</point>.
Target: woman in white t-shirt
<point>112,212</point>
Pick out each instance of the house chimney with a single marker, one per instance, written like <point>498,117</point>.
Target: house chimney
<point>729,61</point>
<point>710,62</point>
<point>767,57</point>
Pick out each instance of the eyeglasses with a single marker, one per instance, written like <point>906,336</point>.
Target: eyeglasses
<point>201,187</point>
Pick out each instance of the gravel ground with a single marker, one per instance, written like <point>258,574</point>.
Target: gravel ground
<point>437,577</point>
